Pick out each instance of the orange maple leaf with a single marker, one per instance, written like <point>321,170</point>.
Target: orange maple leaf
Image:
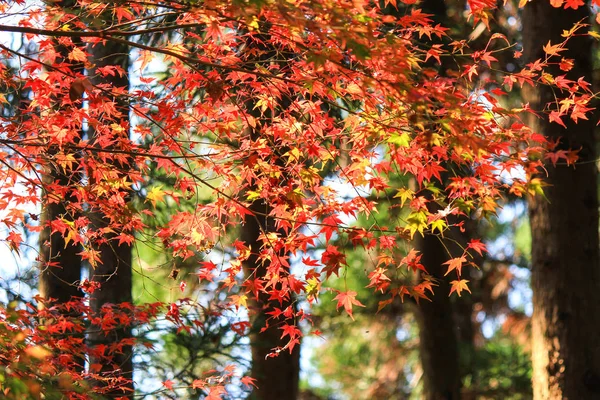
<point>553,50</point>
<point>455,264</point>
<point>459,286</point>
<point>347,299</point>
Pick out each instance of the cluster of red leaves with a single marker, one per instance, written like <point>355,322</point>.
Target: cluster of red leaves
<point>44,351</point>
<point>262,103</point>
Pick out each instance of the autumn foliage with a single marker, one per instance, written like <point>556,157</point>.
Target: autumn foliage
<point>318,110</point>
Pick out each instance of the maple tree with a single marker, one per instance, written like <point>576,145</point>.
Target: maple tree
<point>247,113</point>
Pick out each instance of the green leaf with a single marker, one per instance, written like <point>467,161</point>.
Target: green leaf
<point>402,140</point>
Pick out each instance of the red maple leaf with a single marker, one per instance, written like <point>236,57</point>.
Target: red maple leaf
<point>477,245</point>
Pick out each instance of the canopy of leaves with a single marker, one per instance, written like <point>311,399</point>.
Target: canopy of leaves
<point>313,110</point>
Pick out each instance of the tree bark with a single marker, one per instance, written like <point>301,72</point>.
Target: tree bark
<point>276,377</point>
<point>438,343</point>
<point>59,262</point>
<point>565,256</point>
<point>438,320</point>
<point>114,272</point>
<point>60,266</point>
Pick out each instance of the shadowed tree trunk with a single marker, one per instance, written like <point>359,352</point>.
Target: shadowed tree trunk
<point>114,272</point>
<point>564,227</point>
<point>60,266</point>
<point>59,261</point>
<point>437,320</point>
<point>276,377</point>
<point>438,345</point>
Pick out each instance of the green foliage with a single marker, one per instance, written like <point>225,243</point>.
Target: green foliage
<point>501,370</point>
<point>522,240</point>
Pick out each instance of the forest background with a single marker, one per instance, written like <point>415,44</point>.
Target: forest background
<point>299,199</point>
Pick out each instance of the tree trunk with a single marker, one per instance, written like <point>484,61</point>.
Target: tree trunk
<point>276,377</point>
<point>114,272</point>
<point>437,320</point>
<point>438,344</point>
<point>60,266</point>
<point>564,227</point>
<point>59,262</point>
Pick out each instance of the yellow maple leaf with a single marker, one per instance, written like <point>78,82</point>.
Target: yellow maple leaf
<point>404,195</point>
<point>155,195</point>
<point>240,300</point>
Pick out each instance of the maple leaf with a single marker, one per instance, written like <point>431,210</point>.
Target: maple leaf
<point>477,245</point>
<point>122,13</point>
<point>313,287</point>
<point>552,50</point>
<point>383,303</point>
<point>571,156</point>
<point>455,264</point>
<point>574,4</point>
<point>248,381</point>
<point>404,194</point>
<point>77,55</point>
<point>15,239</point>
<point>579,111</point>
<point>310,262</point>
<point>438,224</point>
<point>458,286</point>
<point>347,299</point>
<point>198,384</point>
<point>555,116</point>
<point>216,393</point>
<point>38,352</point>
<point>290,330</point>
<point>566,64</point>
<point>434,52</point>
<point>155,195</point>
<point>470,71</point>
<point>92,255</point>
<point>419,291</point>
<point>387,242</point>
<point>488,58</point>
<point>330,226</point>
<point>413,261</point>
<point>333,259</point>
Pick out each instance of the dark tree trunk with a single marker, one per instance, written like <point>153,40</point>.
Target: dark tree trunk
<point>438,344</point>
<point>276,377</point>
<point>60,266</point>
<point>114,273</point>
<point>438,320</point>
<point>59,262</point>
<point>564,227</point>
